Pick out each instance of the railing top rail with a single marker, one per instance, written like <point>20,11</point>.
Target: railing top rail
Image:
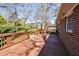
<point>9,34</point>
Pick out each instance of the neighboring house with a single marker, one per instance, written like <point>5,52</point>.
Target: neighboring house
<point>68,26</point>
<point>51,28</point>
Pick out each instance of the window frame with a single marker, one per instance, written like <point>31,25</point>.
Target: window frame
<point>67,19</point>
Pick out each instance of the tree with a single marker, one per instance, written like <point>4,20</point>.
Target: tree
<point>45,12</point>
<point>42,15</point>
<point>19,22</point>
<point>2,20</point>
<point>27,12</point>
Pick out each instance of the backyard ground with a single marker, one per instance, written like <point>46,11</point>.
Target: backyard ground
<point>36,45</point>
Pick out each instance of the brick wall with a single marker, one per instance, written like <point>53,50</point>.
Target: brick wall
<point>65,7</point>
<point>76,29</point>
<point>71,40</point>
<point>66,37</point>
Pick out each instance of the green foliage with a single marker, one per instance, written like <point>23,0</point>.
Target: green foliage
<point>19,22</point>
<point>14,26</point>
<point>2,20</point>
<point>10,29</point>
<point>7,28</point>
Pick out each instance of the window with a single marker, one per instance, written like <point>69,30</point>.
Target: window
<point>69,26</point>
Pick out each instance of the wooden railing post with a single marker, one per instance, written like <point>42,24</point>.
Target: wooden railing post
<point>37,31</point>
<point>9,40</point>
<point>28,35</point>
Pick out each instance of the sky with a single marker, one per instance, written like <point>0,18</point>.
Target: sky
<point>22,10</point>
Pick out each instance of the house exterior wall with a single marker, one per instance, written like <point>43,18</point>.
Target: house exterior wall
<point>64,10</point>
<point>70,40</point>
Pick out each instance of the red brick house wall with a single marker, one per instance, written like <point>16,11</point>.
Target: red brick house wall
<point>70,40</point>
<point>65,7</point>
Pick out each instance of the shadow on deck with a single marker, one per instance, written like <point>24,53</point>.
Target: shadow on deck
<point>53,47</point>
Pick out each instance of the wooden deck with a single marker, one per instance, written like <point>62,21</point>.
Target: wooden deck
<point>28,47</point>
<point>36,46</point>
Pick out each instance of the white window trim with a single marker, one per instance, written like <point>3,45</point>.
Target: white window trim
<point>67,23</point>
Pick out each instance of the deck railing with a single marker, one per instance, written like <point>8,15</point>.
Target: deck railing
<point>8,39</point>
